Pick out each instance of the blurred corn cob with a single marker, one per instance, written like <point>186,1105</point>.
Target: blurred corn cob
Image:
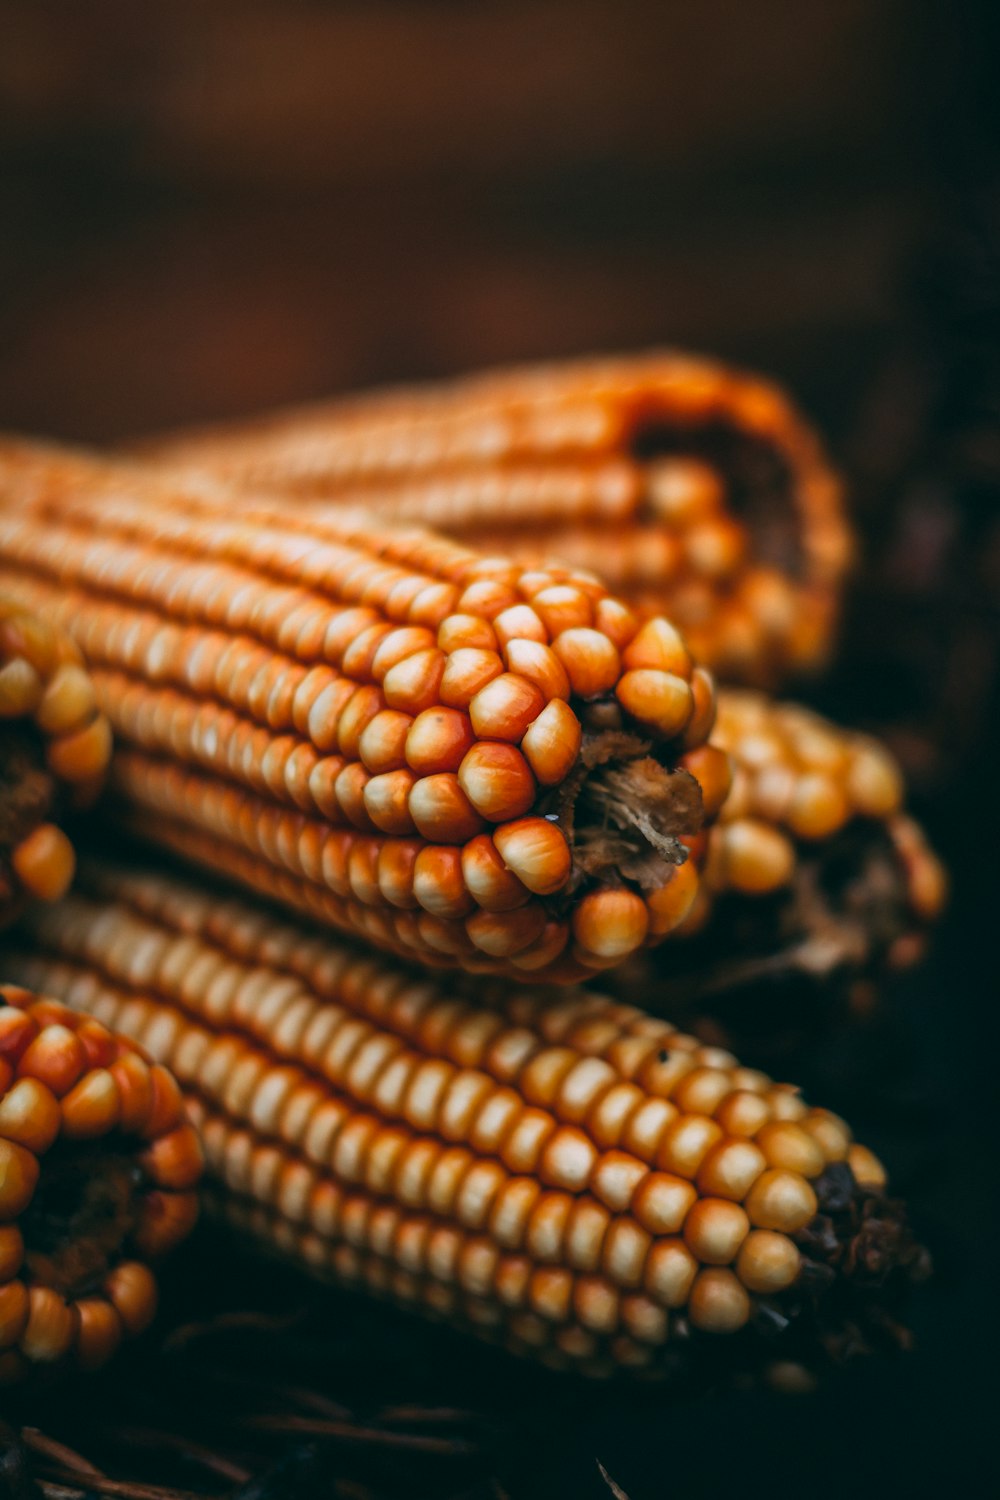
<point>692,489</point>
<point>97,1171</point>
<point>813,882</point>
<point>460,759</point>
<point>797,784</point>
<point>564,1175</point>
<point>55,746</point>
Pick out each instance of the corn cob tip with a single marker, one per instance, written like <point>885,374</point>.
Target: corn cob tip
<point>97,1176</point>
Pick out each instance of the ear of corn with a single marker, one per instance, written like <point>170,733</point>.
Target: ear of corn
<point>554,1171</point>
<point>384,730</point>
<point>55,745</point>
<point>97,1174</point>
<point>691,488</point>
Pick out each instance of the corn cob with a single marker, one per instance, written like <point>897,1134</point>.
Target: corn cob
<point>55,746</point>
<point>565,1175</point>
<point>692,489</point>
<point>97,1175</point>
<point>464,761</point>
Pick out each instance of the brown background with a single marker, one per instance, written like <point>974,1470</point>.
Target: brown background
<point>207,208</point>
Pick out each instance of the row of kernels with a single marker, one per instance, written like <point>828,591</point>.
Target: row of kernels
<point>674,1132</point>
<point>606,923</point>
<point>38,1326</point>
<point>371,1066</point>
<point>715,1300</point>
<point>586,407</point>
<point>401,1002</point>
<point>404,579</point>
<point>497,873</point>
<point>408,933</point>
<point>470,498</point>
<point>484,500</point>
<point>325,551</point>
<point>414,935</point>
<point>212,593</point>
<point>834,773</point>
<point>502,1312</point>
<point>659,555</point>
<point>531,428</point>
<point>421,1173</point>
<point>563,1159</point>
<point>243,602</point>
<point>574,1085</point>
<point>517,1214</point>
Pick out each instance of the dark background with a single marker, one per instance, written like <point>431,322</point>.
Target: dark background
<point>212,208</point>
<point>207,209</point>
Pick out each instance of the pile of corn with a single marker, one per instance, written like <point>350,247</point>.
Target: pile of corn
<point>444,763</point>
